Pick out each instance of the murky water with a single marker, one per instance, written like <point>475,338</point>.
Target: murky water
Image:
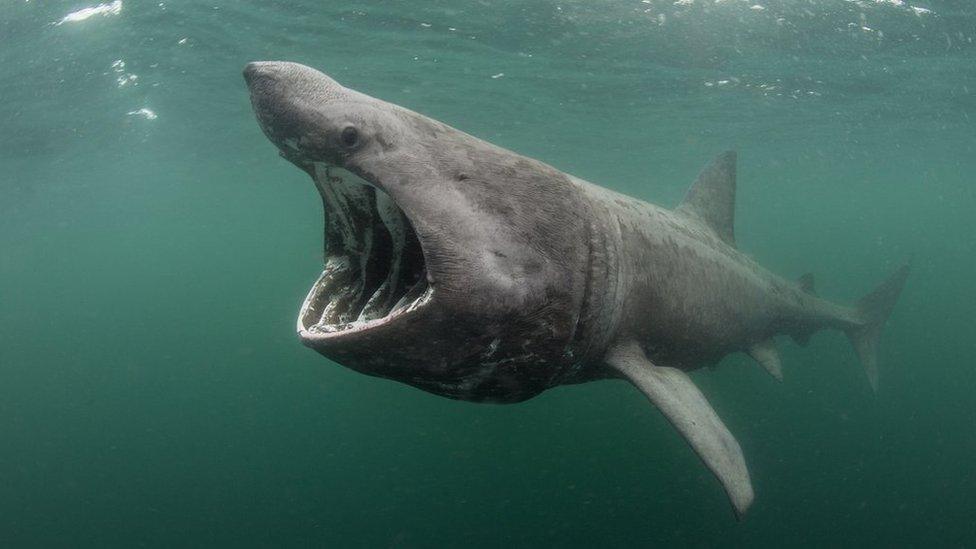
<point>154,251</point>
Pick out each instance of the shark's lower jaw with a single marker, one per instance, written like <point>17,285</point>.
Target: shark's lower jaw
<point>374,265</point>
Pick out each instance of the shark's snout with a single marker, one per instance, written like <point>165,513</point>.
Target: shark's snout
<point>273,84</point>
<point>296,107</point>
<point>258,71</point>
<point>290,77</point>
<point>251,71</point>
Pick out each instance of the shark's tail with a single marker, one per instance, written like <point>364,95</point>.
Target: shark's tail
<point>874,309</point>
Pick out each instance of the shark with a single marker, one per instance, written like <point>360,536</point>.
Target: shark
<point>475,273</point>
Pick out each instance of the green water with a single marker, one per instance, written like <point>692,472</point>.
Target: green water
<point>153,392</point>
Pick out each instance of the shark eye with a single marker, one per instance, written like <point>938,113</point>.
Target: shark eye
<point>349,137</point>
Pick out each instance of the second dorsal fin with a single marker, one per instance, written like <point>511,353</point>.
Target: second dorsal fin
<point>711,198</point>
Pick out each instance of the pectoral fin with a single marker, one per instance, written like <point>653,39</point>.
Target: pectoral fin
<point>674,394</point>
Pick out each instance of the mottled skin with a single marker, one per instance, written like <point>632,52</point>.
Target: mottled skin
<point>540,278</point>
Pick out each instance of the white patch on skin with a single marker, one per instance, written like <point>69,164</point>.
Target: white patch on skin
<point>519,358</point>
<point>492,347</point>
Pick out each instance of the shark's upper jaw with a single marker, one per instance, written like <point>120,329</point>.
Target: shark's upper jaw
<point>375,272</point>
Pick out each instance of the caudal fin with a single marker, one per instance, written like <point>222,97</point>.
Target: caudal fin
<point>874,309</point>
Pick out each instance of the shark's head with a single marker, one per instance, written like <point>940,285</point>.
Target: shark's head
<point>450,264</point>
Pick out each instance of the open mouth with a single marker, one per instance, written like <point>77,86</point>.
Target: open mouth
<point>374,264</point>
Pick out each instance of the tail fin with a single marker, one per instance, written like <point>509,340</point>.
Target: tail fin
<point>874,310</point>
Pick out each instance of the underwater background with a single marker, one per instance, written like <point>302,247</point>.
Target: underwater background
<point>154,251</point>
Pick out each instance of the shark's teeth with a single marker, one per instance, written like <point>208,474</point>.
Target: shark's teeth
<point>374,266</point>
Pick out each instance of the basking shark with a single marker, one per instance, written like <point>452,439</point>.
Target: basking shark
<point>475,273</point>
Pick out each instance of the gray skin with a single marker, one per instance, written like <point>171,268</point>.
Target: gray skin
<point>475,273</point>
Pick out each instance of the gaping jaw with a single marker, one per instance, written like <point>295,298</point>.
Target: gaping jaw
<point>375,272</point>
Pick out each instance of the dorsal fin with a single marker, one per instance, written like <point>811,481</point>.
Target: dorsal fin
<point>711,198</point>
<point>806,284</point>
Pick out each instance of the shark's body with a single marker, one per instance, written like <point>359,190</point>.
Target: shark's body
<point>472,272</point>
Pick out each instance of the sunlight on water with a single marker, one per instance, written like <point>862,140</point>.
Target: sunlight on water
<point>114,8</point>
<point>148,114</point>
